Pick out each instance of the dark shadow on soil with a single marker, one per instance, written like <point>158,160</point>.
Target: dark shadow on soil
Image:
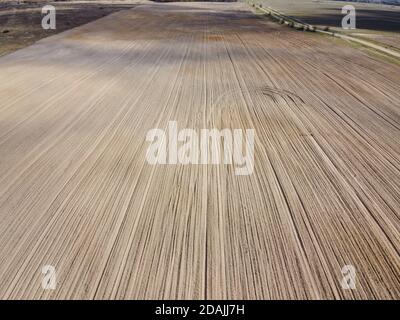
<point>365,19</point>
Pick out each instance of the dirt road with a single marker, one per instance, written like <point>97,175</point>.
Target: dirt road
<point>77,193</point>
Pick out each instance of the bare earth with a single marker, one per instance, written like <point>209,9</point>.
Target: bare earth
<point>77,193</point>
<point>20,22</point>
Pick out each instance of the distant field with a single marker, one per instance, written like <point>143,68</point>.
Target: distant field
<point>20,22</point>
<point>377,22</point>
<point>396,2</point>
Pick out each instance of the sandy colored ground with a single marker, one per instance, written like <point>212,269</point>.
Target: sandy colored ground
<point>77,193</point>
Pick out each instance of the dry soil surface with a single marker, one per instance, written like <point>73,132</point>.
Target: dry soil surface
<point>77,193</point>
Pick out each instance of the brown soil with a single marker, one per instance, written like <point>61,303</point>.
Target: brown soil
<point>77,193</point>
<point>20,22</point>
